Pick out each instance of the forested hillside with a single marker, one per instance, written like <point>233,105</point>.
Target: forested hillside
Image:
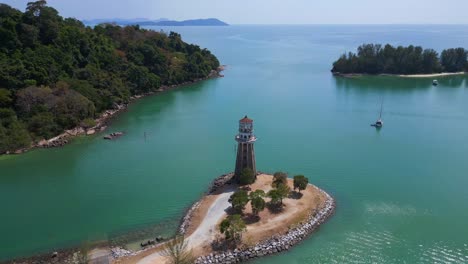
<point>55,73</point>
<point>375,59</point>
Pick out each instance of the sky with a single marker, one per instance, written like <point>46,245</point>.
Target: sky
<point>269,11</point>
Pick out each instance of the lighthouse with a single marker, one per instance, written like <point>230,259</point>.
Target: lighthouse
<point>245,147</point>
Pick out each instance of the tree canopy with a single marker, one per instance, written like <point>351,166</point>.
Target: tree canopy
<point>232,227</point>
<point>277,195</point>
<point>55,72</point>
<point>375,59</point>
<point>239,200</point>
<point>247,176</point>
<point>300,182</point>
<point>279,178</point>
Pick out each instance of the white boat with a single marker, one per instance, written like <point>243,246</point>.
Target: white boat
<point>435,82</point>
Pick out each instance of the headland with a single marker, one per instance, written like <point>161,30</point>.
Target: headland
<point>271,232</point>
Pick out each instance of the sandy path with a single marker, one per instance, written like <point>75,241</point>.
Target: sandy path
<point>207,228</point>
<point>205,231</point>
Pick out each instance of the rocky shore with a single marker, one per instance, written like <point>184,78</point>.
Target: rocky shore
<point>102,121</point>
<point>277,243</point>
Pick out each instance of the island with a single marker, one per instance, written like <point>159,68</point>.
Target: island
<point>410,61</point>
<point>60,79</point>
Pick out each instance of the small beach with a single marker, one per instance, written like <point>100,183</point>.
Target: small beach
<point>442,74</point>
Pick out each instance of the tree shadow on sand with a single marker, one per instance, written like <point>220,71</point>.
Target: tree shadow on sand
<point>295,195</point>
<point>231,211</point>
<point>221,244</point>
<point>250,219</point>
<point>275,208</point>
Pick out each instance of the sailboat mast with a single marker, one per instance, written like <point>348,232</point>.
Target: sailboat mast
<point>381,106</point>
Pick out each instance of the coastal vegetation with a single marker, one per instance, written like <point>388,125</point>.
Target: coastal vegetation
<point>177,251</point>
<point>56,73</point>
<point>257,202</point>
<point>239,200</point>
<point>378,59</point>
<point>247,204</point>
<point>279,178</point>
<point>232,227</point>
<point>280,192</point>
<point>247,176</point>
<point>300,182</point>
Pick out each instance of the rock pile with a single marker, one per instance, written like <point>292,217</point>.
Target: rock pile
<point>118,252</point>
<point>188,218</point>
<point>220,182</point>
<point>113,135</point>
<point>276,243</point>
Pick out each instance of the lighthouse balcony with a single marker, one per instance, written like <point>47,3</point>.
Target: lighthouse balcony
<point>243,139</point>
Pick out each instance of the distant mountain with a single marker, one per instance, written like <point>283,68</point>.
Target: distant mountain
<point>193,22</point>
<point>158,22</point>
<point>121,21</point>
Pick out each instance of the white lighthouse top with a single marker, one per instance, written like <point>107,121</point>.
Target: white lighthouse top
<point>246,131</point>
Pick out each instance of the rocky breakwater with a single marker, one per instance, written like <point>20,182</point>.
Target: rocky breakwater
<point>276,243</point>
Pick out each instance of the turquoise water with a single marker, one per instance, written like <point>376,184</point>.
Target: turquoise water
<point>401,191</point>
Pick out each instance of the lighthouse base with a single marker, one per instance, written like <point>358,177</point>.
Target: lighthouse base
<point>245,158</point>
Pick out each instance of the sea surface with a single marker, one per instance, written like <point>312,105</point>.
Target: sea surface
<point>401,191</point>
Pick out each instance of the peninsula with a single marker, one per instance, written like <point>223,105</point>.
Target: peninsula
<point>410,61</point>
<point>245,215</point>
<point>59,75</point>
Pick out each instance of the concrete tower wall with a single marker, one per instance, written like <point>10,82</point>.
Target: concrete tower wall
<point>245,158</point>
<point>245,147</point>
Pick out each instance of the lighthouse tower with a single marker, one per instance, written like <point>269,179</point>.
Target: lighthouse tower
<point>245,147</point>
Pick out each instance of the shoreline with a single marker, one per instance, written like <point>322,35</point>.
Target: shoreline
<point>271,244</point>
<point>104,119</point>
<point>425,75</point>
<point>278,242</point>
<point>268,246</point>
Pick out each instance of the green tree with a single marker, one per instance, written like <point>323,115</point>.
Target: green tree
<point>4,144</point>
<point>256,201</point>
<point>257,193</point>
<point>232,227</point>
<point>18,136</point>
<point>258,204</point>
<point>300,182</point>
<point>454,60</point>
<point>239,200</point>
<point>278,194</point>
<point>247,176</point>
<point>42,125</point>
<point>279,178</point>
<point>5,97</point>
<point>178,252</point>
<point>275,196</point>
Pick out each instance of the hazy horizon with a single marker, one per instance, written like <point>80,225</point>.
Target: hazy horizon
<point>264,12</point>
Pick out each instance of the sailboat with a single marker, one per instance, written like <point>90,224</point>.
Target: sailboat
<point>379,122</point>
